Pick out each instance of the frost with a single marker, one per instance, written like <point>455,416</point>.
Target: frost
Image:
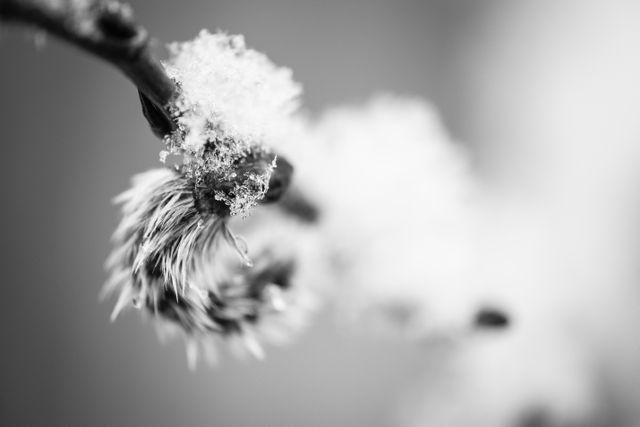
<point>229,91</point>
<point>233,104</point>
<point>163,156</point>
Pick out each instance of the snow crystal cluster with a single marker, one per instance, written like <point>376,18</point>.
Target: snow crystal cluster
<point>233,104</point>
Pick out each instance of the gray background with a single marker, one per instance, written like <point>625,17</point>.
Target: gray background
<point>72,134</point>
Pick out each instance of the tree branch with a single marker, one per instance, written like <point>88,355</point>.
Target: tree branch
<point>108,30</point>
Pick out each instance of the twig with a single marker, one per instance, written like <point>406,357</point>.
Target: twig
<point>108,30</point>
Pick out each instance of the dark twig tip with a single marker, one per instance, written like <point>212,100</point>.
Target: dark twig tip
<point>491,318</point>
<point>116,20</point>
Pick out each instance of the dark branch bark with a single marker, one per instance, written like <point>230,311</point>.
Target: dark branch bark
<point>108,30</point>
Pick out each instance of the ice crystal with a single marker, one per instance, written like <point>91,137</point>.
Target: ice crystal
<point>163,156</point>
<point>232,104</point>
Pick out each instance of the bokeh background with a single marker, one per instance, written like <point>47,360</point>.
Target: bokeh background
<point>72,135</point>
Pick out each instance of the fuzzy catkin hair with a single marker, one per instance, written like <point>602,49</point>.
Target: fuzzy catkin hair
<point>193,275</point>
<point>161,241</point>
